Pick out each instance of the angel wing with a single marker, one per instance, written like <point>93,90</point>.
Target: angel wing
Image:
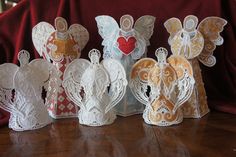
<point>40,35</point>
<point>45,72</point>
<point>80,35</point>
<point>43,68</point>
<point>72,78</point>
<point>118,81</point>
<point>186,81</point>
<point>173,26</point>
<point>144,26</point>
<point>107,28</point>
<point>7,71</point>
<point>139,79</point>
<point>210,28</point>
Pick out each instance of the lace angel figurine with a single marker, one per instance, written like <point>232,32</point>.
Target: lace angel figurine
<point>21,92</point>
<point>95,87</point>
<point>162,86</point>
<point>196,43</point>
<point>126,44</point>
<point>60,45</point>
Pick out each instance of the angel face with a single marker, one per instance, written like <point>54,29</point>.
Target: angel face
<point>23,57</point>
<point>170,82</point>
<point>86,84</point>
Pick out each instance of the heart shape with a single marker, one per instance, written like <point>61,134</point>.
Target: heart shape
<point>126,45</point>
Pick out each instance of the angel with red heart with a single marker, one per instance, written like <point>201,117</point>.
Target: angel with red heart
<point>127,44</point>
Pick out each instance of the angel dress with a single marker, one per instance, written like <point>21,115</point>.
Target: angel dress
<point>196,43</point>
<point>61,46</point>
<point>162,86</point>
<point>95,87</point>
<point>126,44</point>
<point>21,92</point>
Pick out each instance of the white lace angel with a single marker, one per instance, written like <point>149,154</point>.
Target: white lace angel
<point>196,43</point>
<point>21,92</point>
<point>126,43</point>
<point>95,87</point>
<point>60,45</point>
<point>163,86</point>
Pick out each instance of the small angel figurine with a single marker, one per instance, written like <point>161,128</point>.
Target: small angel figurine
<point>126,44</point>
<point>95,87</point>
<point>196,43</point>
<point>162,86</point>
<point>60,45</point>
<point>21,92</point>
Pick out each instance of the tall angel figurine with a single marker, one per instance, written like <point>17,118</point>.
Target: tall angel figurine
<point>162,86</point>
<point>127,44</point>
<point>60,45</point>
<point>95,87</point>
<point>21,92</point>
<point>196,43</point>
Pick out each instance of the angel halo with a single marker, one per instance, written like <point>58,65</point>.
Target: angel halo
<point>196,43</point>
<point>162,86</point>
<point>21,92</point>
<point>95,87</point>
<point>126,43</point>
<point>60,45</point>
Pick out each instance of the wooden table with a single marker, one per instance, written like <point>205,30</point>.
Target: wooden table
<point>211,136</point>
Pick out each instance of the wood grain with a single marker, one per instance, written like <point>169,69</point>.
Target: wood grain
<point>211,136</point>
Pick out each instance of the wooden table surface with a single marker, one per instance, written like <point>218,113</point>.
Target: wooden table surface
<point>211,136</point>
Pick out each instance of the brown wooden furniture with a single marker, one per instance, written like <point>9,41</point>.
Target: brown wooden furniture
<point>211,136</point>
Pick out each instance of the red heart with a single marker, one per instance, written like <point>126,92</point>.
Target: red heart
<point>126,45</point>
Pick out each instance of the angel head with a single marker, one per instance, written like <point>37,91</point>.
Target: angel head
<point>192,40</point>
<point>94,56</point>
<point>163,86</point>
<point>128,39</point>
<point>25,104</point>
<point>96,87</point>
<point>61,41</point>
<point>23,57</point>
